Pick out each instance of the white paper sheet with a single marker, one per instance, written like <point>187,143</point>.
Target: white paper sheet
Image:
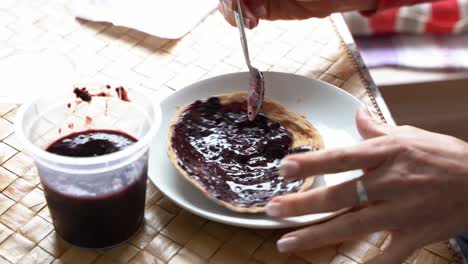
<point>170,19</point>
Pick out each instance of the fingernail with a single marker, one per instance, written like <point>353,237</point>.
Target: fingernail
<point>371,116</point>
<point>368,112</point>
<point>247,22</point>
<point>287,244</point>
<point>227,3</point>
<point>260,11</point>
<point>274,208</point>
<point>288,168</point>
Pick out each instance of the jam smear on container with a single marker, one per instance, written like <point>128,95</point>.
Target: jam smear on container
<point>85,94</point>
<point>102,214</point>
<point>234,159</point>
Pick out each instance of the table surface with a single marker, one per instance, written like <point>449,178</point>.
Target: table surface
<point>318,48</point>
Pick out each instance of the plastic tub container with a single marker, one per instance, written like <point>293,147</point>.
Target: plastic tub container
<point>94,202</point>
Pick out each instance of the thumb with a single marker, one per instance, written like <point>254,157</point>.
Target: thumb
<point>369,126</point>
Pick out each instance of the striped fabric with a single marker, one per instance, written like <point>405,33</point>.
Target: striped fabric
<point>437,17</point>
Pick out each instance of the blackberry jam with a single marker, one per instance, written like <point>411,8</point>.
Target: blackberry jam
<point>234,159</point>
<point>105,212</point>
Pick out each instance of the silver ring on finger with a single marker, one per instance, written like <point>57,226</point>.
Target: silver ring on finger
<point>361,193</point>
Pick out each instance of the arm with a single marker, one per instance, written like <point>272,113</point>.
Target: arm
<point>385,4</point>
<point>435,17</point>
<point>254,10</point>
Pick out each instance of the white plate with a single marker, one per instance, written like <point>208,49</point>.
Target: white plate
<point>329,108</point>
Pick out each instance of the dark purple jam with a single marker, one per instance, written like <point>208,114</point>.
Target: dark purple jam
<point>86,96</point>
<point>83,94</point>
<point>108,211</point>
<point>91,143</point>
<point>236,160</point>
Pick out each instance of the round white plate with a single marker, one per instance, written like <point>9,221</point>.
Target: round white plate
<point>330,109</point>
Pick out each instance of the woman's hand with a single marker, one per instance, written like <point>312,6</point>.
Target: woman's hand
<point>416,181</point>
<point>253,10</point>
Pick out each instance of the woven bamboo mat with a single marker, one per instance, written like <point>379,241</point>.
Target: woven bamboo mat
<point>103,53</point>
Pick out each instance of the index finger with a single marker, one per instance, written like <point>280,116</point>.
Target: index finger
<point>368,154</point>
